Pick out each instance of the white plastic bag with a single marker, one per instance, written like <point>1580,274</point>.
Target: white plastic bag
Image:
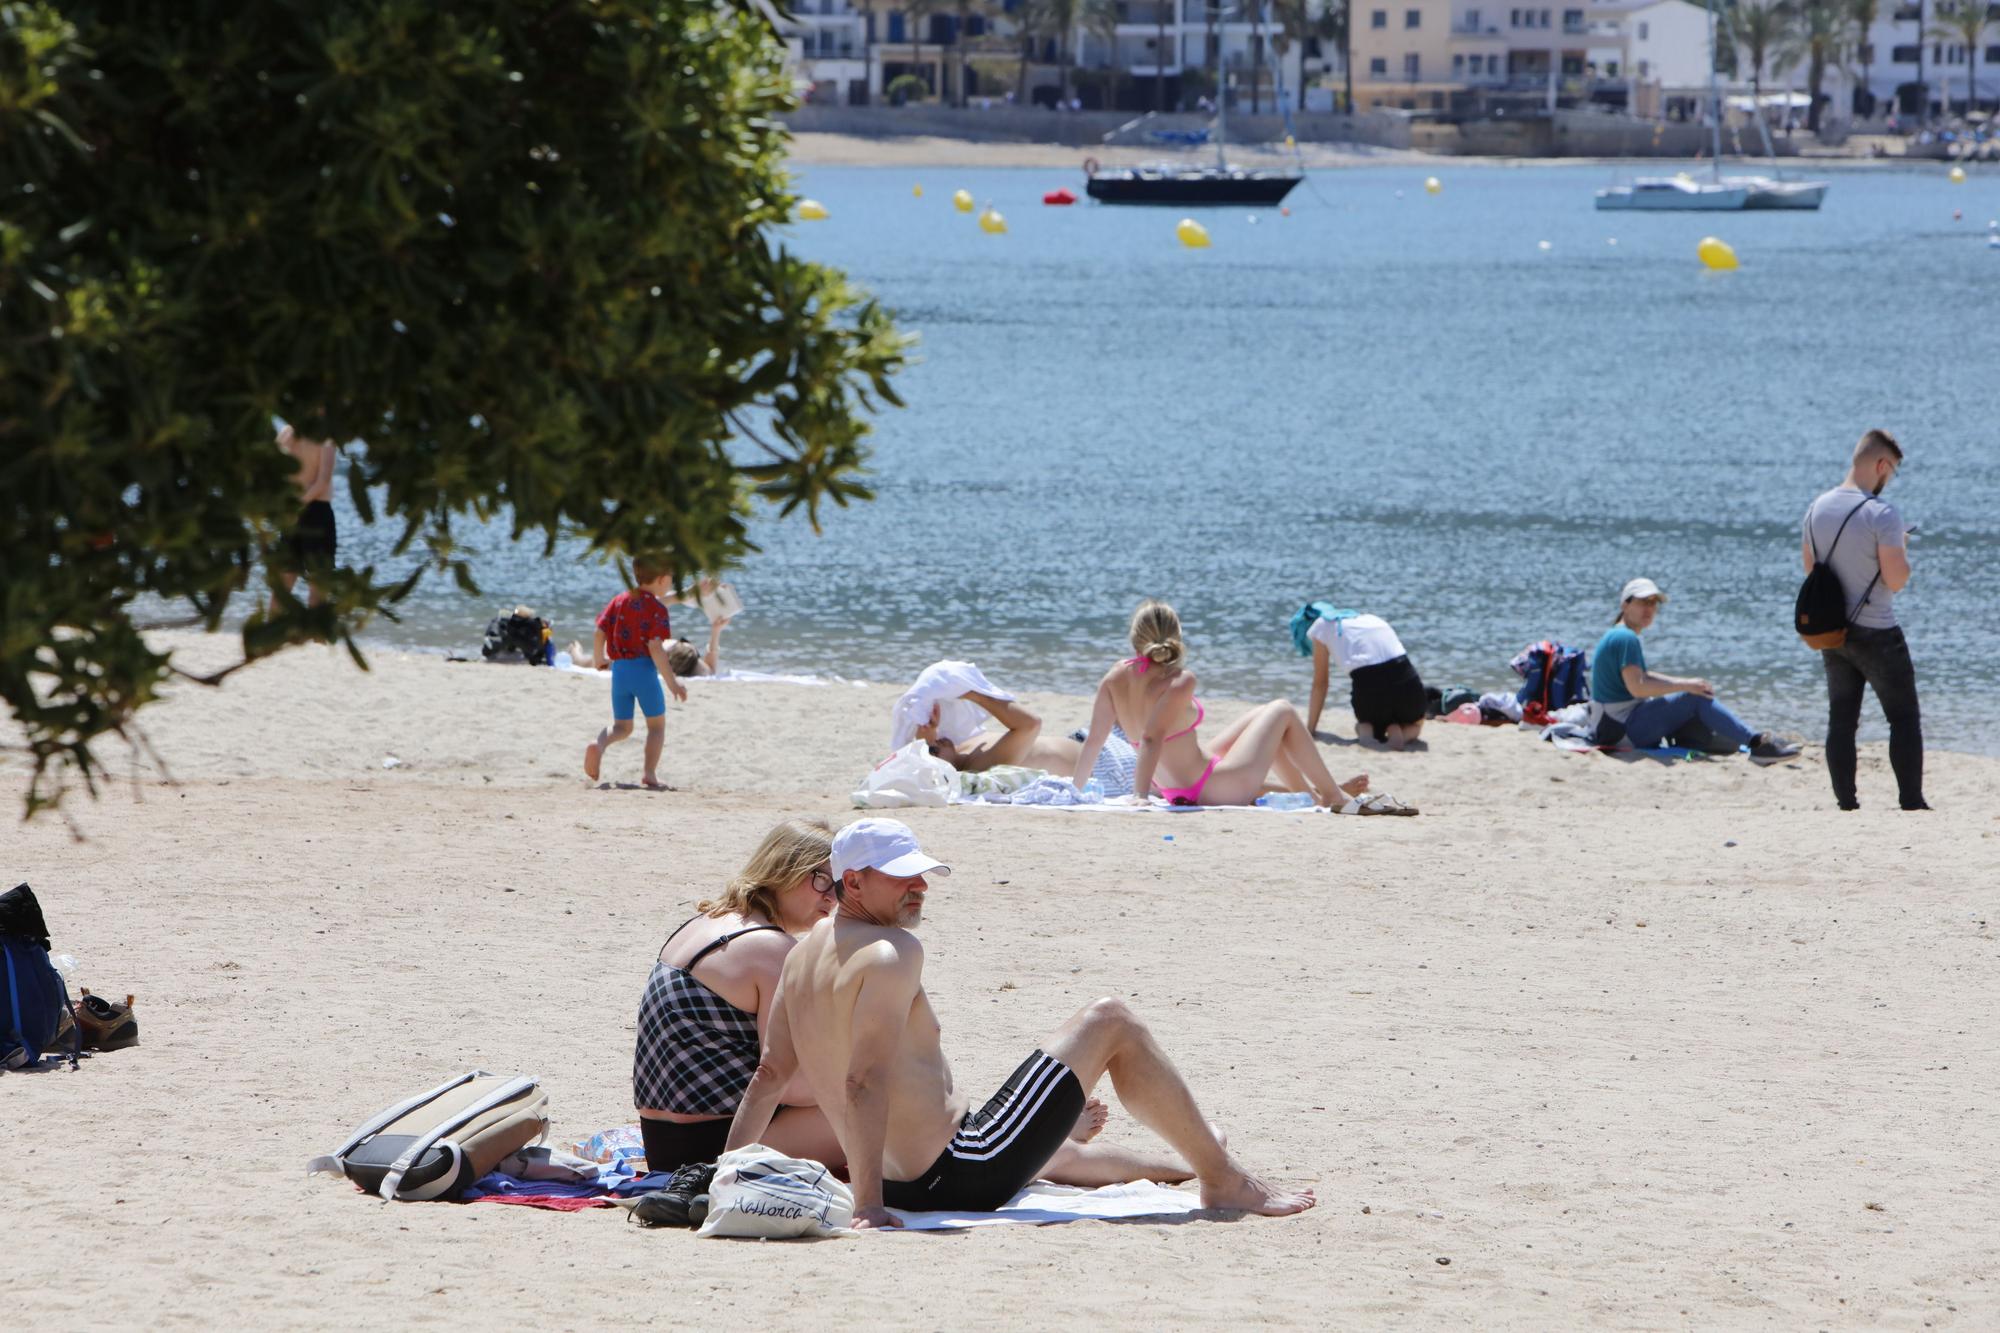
<point>911,776</point>
<point>758,1191</point>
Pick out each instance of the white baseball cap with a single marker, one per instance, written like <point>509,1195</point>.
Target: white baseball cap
<point>1641,588</point>
<point>886,845</point>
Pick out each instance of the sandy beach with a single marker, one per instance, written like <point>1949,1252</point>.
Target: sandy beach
<point>1630,1045</point>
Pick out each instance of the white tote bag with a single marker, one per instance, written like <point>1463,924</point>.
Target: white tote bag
<point>758,1191</point>
<point>911,776</point>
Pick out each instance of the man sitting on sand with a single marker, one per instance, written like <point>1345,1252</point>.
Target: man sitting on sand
<point>851,1013</point>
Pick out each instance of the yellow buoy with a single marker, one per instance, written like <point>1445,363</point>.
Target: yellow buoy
<point>991,222</point>
<point>811,210</point>
<point>917,191</point>
<point>1193,235</point>
<point>962,201</point>
<point>1432,185</point>
<point>1958,175</point>
<point>1716,254</point>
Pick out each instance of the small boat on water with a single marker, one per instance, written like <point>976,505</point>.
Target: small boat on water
<point>1720,193</point>
<point>1675,194</point>
<point>1169,183</point>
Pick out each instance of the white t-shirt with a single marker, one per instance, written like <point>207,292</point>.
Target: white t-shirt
<point>1357,641</point>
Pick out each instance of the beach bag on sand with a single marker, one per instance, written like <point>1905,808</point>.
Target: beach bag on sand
<point>523,634</point>
<point>1554,676</point>
<point>437,1143</point>
<point>1820,615</point>
<point>911,776</point>
<point>33,998</point>
<point>758,1191</point>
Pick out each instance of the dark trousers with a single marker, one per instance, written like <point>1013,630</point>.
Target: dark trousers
<point>1879,658</point>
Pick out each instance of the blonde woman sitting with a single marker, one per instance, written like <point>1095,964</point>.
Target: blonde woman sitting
<point>1151,696</point>
<point>705,1006</point>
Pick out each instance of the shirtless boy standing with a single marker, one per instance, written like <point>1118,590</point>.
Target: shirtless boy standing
<point>312,543</point>
<point>851,1013</point>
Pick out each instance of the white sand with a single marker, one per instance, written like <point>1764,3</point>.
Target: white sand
<point>1557,1031</point>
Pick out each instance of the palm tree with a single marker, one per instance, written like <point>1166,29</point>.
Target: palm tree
<point>1100,19</point>
<point>1818,36</point>
<point>915,14</point>
<point>966,9</point>
<point>1060,20</point>
<point>1302,20</point>
<point>1339,18</point>
<point>1963,22</point>
<point>1256,56</point>
<point>866,9</point>
<point>1861,16</point>
<point>1760,29</point>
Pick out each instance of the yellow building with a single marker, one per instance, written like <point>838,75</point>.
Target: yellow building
<point>1401,54</point>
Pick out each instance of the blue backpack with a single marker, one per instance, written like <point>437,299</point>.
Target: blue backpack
<point>1555,676</point>
<point>33,997</point>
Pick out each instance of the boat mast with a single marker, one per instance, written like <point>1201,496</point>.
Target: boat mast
<point>1714,101</point>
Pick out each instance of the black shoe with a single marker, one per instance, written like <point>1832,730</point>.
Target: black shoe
<point>676,1205</point>
<point>1920,805</point>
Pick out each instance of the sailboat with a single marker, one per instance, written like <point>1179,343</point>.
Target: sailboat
<point>1182,184</point>
<point>1719,194</point>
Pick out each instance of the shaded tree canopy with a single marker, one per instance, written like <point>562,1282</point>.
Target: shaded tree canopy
<point>521,248</point>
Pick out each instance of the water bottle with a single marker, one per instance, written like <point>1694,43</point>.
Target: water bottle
<point>1287,800</point>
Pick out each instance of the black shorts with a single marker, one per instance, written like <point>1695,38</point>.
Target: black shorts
<point>313,540</point>
<point>1388,694</point>
<point>1001,1146</point>
<point>671,1145</point>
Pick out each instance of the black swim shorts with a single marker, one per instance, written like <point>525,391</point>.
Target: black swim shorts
<point>313,541</point>
<point>1001,1146</point>
<point>1388,694</point>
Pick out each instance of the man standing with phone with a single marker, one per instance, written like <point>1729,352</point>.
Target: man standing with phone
<point>1872,562</point>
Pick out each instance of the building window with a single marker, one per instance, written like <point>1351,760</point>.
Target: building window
<point>1458,62</point>
<point>1412,18</point>
<point>1610,69</point>
<point>1379,19</point>
<point>1645,68</point>
<point>1472,20</point>
<point>1993,55</point>
<point>1905,55</point>
<point>1573,20</point>
<point>1410,66</point>
<point>1378,66</point>
<point>1643,33</point>
<point>1513,18</point>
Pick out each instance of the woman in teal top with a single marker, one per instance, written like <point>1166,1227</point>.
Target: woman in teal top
<point>1630,703</point>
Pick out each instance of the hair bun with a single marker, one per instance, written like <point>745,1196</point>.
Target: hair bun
<point>1159,652</point>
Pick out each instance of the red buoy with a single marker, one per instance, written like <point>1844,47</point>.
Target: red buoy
<point>1058,196</point>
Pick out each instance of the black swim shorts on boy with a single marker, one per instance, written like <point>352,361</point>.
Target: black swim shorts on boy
<point>1001,1146</point>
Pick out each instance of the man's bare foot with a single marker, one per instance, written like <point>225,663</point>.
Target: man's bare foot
<point>593,761</point>
<point>1090,1123</point>
<point>1355,785</point>
<point>1245,1193</point>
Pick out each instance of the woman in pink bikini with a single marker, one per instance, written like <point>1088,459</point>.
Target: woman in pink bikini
<point>1151,696</point>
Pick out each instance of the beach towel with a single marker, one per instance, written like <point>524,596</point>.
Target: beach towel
<point>1042,1203</point>
<point>941,683</point>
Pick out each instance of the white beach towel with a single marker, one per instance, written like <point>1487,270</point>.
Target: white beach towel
<point>1042,1203</point>
<point>941,683</point>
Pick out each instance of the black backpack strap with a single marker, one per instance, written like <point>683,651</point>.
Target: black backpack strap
<point>1817,557</point>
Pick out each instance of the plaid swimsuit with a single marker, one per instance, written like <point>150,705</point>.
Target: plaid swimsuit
<point>696,1051</point>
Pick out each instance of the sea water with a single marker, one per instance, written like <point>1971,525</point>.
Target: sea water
<point>1402,403</point>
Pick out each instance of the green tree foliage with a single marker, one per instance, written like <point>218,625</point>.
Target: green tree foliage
<point>1963,22</point>
<point>521,248</point>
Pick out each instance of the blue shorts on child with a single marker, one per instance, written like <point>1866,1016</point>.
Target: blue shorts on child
<point>633,680</point>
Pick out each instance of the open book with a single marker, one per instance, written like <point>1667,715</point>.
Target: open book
<point>720,604</point>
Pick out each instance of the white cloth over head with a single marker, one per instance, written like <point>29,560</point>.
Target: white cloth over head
<point>1357,641</point>
<point>942,683</point>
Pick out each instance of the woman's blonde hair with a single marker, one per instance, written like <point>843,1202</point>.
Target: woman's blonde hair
<point>793,849</point>
<point>1156,634</point>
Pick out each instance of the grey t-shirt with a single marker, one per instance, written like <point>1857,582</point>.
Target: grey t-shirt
<point>1854,558</point>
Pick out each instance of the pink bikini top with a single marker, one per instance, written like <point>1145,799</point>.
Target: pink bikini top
<point>1144,664</point>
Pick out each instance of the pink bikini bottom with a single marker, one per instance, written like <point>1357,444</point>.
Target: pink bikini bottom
<point>1187,795</point>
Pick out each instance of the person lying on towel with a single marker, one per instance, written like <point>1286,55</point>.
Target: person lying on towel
<point>852,1017</point>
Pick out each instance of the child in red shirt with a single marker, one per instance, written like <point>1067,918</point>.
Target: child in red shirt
<point>632,638</point>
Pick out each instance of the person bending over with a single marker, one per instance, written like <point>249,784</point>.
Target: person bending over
<point>1628,702</point>
<point>1384,689</point>
<point>708,1002</point>
<point>1151,696</point>
<point>852,1016</point>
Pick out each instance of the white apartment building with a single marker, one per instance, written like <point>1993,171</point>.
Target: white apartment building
<point>1246,52</point>
<point>828,45</point>
<point>1899,53</point>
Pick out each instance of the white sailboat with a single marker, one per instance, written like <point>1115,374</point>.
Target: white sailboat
<point>1719,194</point>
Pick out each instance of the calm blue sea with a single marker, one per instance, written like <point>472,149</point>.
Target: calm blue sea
<point>1401,402</point>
